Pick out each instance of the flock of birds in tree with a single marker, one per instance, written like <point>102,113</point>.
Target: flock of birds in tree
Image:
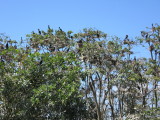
<point>52,48</point>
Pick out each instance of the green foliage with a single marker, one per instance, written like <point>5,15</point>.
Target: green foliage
<point>33,84</point>
<point>59,75</point>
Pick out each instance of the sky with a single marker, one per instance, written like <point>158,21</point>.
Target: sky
<point>114,17</point>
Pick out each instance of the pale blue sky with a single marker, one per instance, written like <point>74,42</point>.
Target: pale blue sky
<point>115,17</point>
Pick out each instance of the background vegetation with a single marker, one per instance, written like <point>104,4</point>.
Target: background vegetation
<point>88,75</point>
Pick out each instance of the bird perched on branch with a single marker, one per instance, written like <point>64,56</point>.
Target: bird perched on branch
<point>40,63</point>
<point>49,27</point>
<point>60,29</point>
<point>80,43</point>
<point>98,34</point>
<point>7,46</point>
<point>126,40</point>
<point>52,48</point>
<point>135,58</point>
<point>39,31</point>
<point>126,37</point>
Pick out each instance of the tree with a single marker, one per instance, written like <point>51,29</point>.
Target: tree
<point>55,74</point>
<point>151,40</point>
<point>38,82</point>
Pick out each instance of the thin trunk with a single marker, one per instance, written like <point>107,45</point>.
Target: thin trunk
<point>95,98</point>
<point>112,108</point>
<point>144,97</point>
<point>120,103</point>
<point>155,94</point>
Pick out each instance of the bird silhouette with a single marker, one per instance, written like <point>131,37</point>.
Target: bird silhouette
<point>40,63</point>
<point>60,29</point>
<point>138,87</point>
<point>98,34</point>
<point>146,36</point>
<point>126,37</point>
<point>135,59</point>
<point>7,46</point>
<point>49,27</point>
<point>51,48</point>
<point>67,49</point>
<point>71,37</point>
<point>39,31</point>
<point>80,43</point>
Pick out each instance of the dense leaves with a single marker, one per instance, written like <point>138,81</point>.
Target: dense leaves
<point>55,74</point>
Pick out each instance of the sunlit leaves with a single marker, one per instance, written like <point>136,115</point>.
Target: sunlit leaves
<point>63,75</point>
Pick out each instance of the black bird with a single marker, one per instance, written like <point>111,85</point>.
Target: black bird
<point>138,87</point>
<point>67,50</point>
<point>135,59</point>
<point>40,63</point>
<point>146,36</point>
<point>7,45</point>
<point>49,27</point>
<point>39,31</point>
<point>155,54</point>
<point>71,37</point>
<point>80,43</point>
<point>98,34</point>
<point>60,29</point>
<point>126,37</point>
<point>51,48</point>
<point>152,25</point>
